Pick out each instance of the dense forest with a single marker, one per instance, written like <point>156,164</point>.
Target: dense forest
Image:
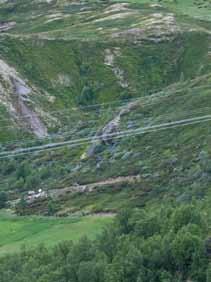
<point>164,245</point>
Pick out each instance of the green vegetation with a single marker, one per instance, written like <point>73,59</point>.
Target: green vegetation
<point>3,200</point>
<point>177,64</point>
<point>163,244</point>
<point>85,62</point>
<point>17,232</point>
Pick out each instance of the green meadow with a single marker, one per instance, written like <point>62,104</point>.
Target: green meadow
<point>17,232</point>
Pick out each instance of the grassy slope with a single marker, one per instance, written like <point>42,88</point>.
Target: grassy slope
<point>169,162</point>
<point>173,164</point>
<point>148,67</point>
<point>31,231</point>
<point>198,9</point>
<point>156,64</point>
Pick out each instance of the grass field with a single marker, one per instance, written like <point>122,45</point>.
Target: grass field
<point>193,8</point>
<point>32,231</point>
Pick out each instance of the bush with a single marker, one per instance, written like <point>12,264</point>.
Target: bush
<point>3,200</point>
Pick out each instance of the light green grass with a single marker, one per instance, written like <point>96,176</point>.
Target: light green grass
<point>191,8</point>
<point>32,231</point>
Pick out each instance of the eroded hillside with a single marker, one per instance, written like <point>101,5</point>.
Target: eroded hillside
<point>80,85</point>
<point>82,54</point>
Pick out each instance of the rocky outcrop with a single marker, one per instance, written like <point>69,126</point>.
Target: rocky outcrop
<point>15,95</point>
<point>88,188</point>
<point>110,55</point>
<point>104,135</point>
<point>156,27</point>
<point>5,26</point>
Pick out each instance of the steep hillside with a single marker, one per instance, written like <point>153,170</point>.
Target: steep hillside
<point>104,105</point>
<point>109,51</point>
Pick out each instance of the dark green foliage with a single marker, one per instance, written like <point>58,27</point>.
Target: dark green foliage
<point>173,250</point>
<point>161,245</point>
<point>51,207</point>
<point>3,200</point>
<point>209,273</point>
<point>21,206</point>
<point>86,97</point>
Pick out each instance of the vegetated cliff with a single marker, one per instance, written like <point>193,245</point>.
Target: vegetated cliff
<point>15,96</point>
<point>120,94</point>
<point>63,59</point>
<point>109,52</point>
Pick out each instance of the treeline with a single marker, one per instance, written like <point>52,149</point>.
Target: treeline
<point>165,245</point>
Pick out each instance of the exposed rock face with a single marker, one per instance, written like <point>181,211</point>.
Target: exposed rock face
<point>117,8</point>
<point>4,26</point>
<point>88,188</point>
<point>104,135</point>
<point>110,61</point>
<point>156,27</point>
<point>115,17</point>
<point>15,96</point>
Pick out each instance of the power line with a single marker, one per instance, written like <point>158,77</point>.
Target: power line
<point>118,135</point>
<point>69,133</point>
<point>151,97</point>
<point>123,102</point>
